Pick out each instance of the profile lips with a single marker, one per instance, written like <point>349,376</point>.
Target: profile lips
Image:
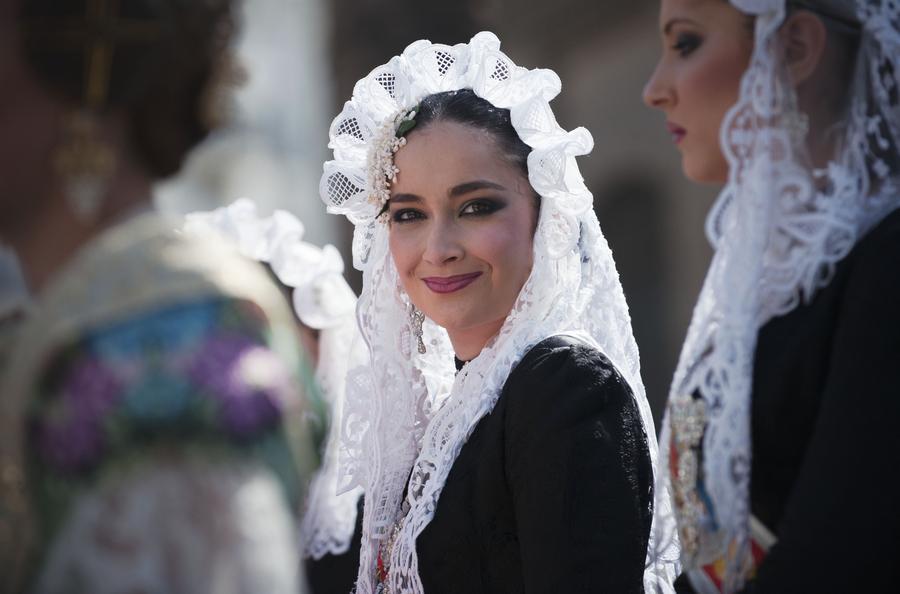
<point>450,284</point>
<point>678,133</point>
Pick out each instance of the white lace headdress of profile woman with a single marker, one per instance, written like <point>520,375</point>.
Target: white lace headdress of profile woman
<point>407,414</point>
<point>325,302</point>
<point>779,227</point>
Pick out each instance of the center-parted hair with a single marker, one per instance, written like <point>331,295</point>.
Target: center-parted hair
<point>465,107</point>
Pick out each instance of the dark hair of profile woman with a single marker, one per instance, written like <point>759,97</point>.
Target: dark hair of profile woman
<point>168,59</point>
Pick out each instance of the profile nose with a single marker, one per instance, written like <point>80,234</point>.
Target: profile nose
<point>444,245</point>
<point>657,92</point>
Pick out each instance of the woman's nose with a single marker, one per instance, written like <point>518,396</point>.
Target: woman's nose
<point>444,244</point>
<point>658,92</point>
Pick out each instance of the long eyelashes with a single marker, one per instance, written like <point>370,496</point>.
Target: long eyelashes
<point>406,215</point>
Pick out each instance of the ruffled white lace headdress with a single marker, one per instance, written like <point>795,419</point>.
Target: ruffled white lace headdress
<point>779,227</point>
<point>323,301</point>
<point>407,414</point>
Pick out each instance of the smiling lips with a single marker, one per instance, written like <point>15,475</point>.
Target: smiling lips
<point>450,284</point>
<point>676,131</point>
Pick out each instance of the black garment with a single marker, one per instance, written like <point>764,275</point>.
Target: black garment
<point>552,492</point>
<point>336,574</point>
<point>825,415</point>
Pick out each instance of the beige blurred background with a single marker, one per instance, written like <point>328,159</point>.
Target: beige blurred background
<point>304,56</point>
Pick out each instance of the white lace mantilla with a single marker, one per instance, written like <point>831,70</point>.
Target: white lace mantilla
<point>779,228</point>
<point>407,415</point>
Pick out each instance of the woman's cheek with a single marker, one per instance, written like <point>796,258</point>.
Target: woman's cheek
<point>402,251</point>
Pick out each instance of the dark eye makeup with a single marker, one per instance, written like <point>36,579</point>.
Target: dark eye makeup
<point>481,207</point>
<point>686,43</point>
<point>406,215</point>
<point>478,207</point>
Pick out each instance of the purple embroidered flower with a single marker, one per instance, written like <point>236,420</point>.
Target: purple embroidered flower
<point>92,386</point>
<point>69,432</point>
<point>248,382</point>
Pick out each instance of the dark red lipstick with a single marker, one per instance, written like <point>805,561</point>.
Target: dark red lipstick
<point>450,284</point>
<point>678,133</point>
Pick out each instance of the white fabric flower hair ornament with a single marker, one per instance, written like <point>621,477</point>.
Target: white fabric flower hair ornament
<point>408,413</point>
<point>323,301</point>
<point>779,228</point>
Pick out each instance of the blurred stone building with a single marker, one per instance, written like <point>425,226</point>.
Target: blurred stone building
<point>603,52</point>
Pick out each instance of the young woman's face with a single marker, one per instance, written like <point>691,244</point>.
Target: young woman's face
<point>462,220</point>
<point>706,49</point>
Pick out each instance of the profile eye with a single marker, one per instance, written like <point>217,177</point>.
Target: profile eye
<point>686,43</point>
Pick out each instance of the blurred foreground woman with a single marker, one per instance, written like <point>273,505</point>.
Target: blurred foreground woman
<point>147,395</point>
<point>780,430</point>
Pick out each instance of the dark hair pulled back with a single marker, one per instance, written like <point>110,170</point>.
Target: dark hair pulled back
<point>467,108</point>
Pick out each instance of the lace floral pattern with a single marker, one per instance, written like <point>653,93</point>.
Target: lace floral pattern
<point>779,228</point>
<point>407,414</point>
<point>330,518</point>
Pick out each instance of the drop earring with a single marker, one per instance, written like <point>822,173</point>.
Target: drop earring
<point>84,164</point>
<point>416,319</point>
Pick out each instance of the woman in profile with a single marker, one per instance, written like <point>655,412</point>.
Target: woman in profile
<point>783,408</point>
<point>151,420</point>
<point>500,428</point>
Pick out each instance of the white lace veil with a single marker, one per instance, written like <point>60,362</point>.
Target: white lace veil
<point>324,302</point>
<point>779,227</point>
<point>407,414</point>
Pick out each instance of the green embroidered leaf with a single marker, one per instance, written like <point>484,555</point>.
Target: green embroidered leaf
<point>404,127</point>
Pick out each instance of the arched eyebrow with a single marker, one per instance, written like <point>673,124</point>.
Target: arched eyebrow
<point>454,192</point>
<point>667,29</point>
<point>473,186</point>
<point>399,198</point>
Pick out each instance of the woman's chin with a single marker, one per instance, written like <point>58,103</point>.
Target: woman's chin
<point>713,171</point>
<point>459,323</point>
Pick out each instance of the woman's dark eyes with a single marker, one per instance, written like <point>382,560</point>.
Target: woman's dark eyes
<point>686,43</point>
<point>406,215</point>
<point>480,207</point>
<point>474,208</point>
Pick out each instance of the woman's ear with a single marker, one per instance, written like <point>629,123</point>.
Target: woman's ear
<point>803,37</point>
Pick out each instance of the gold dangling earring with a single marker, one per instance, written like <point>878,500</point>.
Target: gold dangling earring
<point>416,319</point>
<point>84,164</point>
